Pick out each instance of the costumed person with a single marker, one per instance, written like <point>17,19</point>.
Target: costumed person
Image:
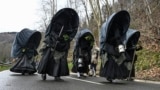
<point>132,38</point>
<point>112,49</point>
<point>94,61</point>
<point>24,50</point>
<point>60,32</point>
<point>82,52</point>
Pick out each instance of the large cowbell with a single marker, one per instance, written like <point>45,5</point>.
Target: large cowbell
<point>64,25</point>
<point>24,49</point>
<point>84,39</point>
<point>84,44</point>
<point>61,30</point>
<point>114,28</point>
<point>66,19</point>
<point>132,37</point>
<point>26,38</point>
<point>112,36</point>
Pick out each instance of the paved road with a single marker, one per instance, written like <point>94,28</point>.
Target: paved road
<point>13,81</point>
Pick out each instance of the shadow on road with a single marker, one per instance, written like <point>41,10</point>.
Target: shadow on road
<point>114,83</point>
<point>17,74</point>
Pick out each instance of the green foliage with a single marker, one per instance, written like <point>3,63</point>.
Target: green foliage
<point>147,59</point>
<point>4,67</point>
<point>70,65</point>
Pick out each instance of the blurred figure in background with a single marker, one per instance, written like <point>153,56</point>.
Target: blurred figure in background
<point>94,61</point>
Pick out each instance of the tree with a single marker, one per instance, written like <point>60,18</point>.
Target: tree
<point>97,14</point>
<point>84,3</point>
<point>48,9</point>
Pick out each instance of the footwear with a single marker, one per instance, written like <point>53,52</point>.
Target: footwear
<point>130,79</point>
<point>43,76</point>
<point>78,75</point>
<point>94,73</point>
<point>109,79</point>
<point>82,75</point>
<point>90,73</point>
<point>57,78</point>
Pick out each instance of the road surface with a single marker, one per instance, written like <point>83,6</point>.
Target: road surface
<point>14,81</point>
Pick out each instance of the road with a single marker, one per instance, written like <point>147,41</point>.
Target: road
<point>13,81</point>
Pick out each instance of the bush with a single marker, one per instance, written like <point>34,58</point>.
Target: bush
<point>4,67</point>
<point>70,65</point>
<point>147,59</point>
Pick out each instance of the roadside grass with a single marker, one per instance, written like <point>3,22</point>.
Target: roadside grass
<point>70,65</point>
<point>2,67</point>
<point>147,59</point>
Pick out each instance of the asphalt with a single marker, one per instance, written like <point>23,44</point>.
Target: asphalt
<point>14,81</point>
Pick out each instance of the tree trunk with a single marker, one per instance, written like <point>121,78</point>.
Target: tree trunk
<point>85,8</point>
